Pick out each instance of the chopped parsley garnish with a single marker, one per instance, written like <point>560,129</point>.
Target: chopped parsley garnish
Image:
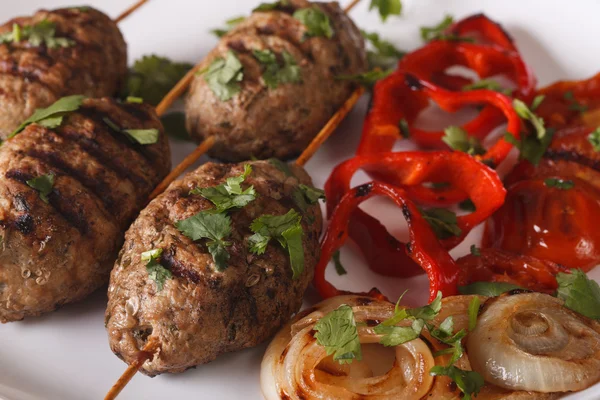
<point>317,23</point>
<point>386,8</point>
<point>580,293</point>
<point>458,139</point>
<point>488,289</point>
<point>224,76</point>
<point>337,332</point>
<point>527,115</point>
<point>230,194</point>
<point>437,32</point>
<point>443,222</point>
<point>143,136</point>
<point>404,128</point>
<point>476,251</point>
<point>531,147</point>
<point>230,24</point>
<point>215,227</point>
<point>469,382</point>
<point>52,116</point>
<point>537,100</point>
<point>594,139</point>
<point>272,6</point>
<point>385,56</point>
<point>367,78</point>
<point>43,184</point>
<point>286,229</point>
<point>174,124</point>
<point>488,84</point>
<point>305,196</point>
<point>467,205</point>
<point>152,77</point>
<point>562,184</point>
<point>156,271</point>
<point>339,268</point>
<point>574,105</point>
<point>44,32</point>
<point>473,312</point>
<point>134,100</point>
<point>282,166</point>
<point>275,74</point>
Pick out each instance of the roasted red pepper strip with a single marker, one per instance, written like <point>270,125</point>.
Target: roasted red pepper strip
<point>484,31</point>
<point>424,248</point>
<point>413,168</point>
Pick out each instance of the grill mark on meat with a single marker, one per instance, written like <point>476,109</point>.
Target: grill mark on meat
<point>138,113</point>
<point>565,155</point>
<point>94,150</point>
<point>63,207</point>
<point>98,188</point>
<point>10,66</point>
<point>169,260</point>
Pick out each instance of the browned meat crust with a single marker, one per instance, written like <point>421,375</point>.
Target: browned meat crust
<point>281,122</point>
<point>36,76</point>
<point>201,313</point>
<point>58,252</point>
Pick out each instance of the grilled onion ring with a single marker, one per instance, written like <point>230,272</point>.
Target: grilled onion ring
<point>530,341</point>
<point>296,367</point>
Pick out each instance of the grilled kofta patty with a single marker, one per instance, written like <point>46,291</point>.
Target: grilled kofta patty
<point>59,244</point>
<point>200,312</point>
<point>62,52</point>
<point>288,88</point>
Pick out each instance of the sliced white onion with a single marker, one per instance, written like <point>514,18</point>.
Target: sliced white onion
<point>296,367</point>
<point>531,342</point>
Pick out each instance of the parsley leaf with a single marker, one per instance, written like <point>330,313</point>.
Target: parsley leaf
<point>467,205</point>
<point>231,23</point>
<point>223,76</point>
<point>174,124</point>
<point>339,268</point>
<point>386,55</point>
<point>211,226</point>
<point>429,33</point>
<point>52,116</point>
<point>43,184</point>
<point>152,77</point>
<point>337,332</point>
<point>469,382</point>
<point>230,194</point>
<point>143,136</point>
<point>44,32</point>
<point>317,23</point>
<point>594,139</point>
<point>476,251</point>
<point>386,8</point>
<point>489,289</point>
<point>396,335</point>
<point>286,229</point>
<point>527,115</point>
<point>156,271</point>
<point>282,166</point>
<point>473,312</point>
<point>530,147</point>
<point>488,84</point>
<point>561,184</point>
<point>304,196</point>
<point>275,74</point>
<point>458,139</point>
<point>442,221</point>
<point>537,100</point>
<point>272,6</point>
<point>580,293</point>
<point>367,78</point>
<point>404,128</point>
<point>574,104</point>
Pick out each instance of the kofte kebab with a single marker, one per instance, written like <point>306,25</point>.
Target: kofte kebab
<point>221,259</point>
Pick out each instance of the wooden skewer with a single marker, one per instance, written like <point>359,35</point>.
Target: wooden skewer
<point>131,9</point>
<point>350,6</point>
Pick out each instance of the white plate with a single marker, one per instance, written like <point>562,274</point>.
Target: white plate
<point>65,355</point>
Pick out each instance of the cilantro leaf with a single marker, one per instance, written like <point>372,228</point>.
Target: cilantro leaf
<point>152,77</point>
<point>386,8</point>
<point>574,104</point>
<point>44,32</point>
<point>395,335</point>
<point>52,116</point>
<point>476,251</point>
<point>489,289</point>
<point>317,23</point>
<point>385,56</point>
<point>530,147</point>
<point>580,293</point>
<point>467,205</point>
<point>443,222</point>
<point>337,332</point>
<point>174,124</point>
<point>143,136</point>
<point>156,271</point>
<point>223,76</point>
<point>134,100</point>
<point>469,382</point>
<point>368,78</point>
<point>282,166</point>
<point>473,312</point>
<point>561,184</point>
<point>305,196</point>
<point>275,74</point>
<point>231,23</point>
<point>537,100</point>
<point>594,139</point>
<point>230,194</point>
<point>286,229</point>
<point>339,268</point>
<point>458,139</point>
<point>429,33</point>
<point>488,84</point>
<point>272,6</point>
<point>43,184</point>
<point>211,226</point>
<point>404,128</point>
<point>527,115</point>
<point>429,311</point>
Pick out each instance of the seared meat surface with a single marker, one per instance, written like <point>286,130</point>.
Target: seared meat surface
<point>59,251</point>
<point>277,122</point>
<point>35,76</point>
<point>201,313</point>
